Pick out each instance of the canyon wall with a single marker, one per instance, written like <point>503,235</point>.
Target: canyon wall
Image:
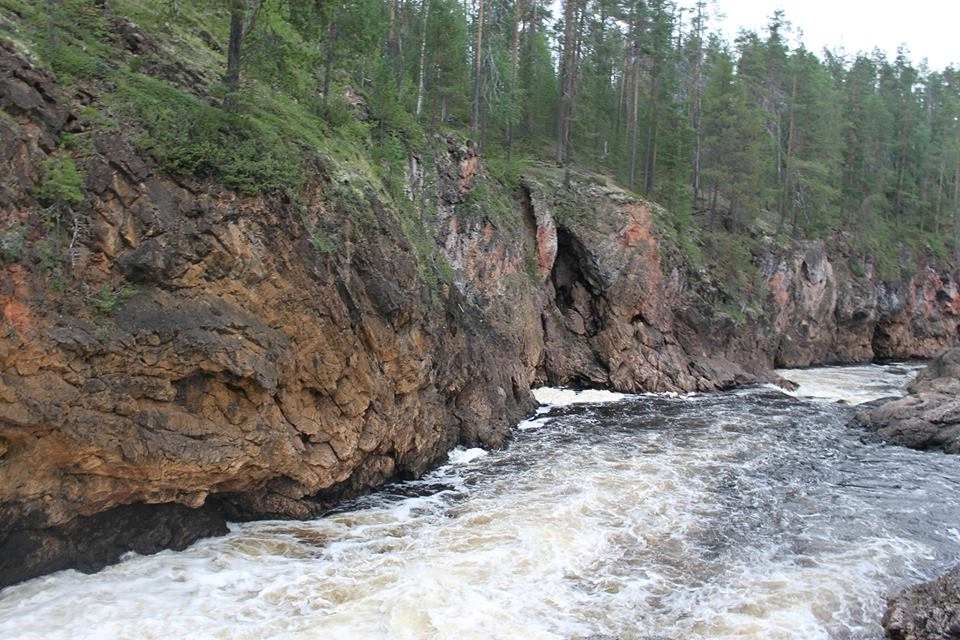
<point>195,355</point>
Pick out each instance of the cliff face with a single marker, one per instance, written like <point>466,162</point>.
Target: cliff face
<point>822,312</point>
<point>202,356</point>
<point>241,368</point>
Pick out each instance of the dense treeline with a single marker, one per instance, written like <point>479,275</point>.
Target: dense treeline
<point>643,90</point>
<point>723,134</point>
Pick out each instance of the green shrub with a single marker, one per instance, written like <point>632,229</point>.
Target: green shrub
<point>190,137</point>
<point>12,241</point>
<point>73,39</point>
<point>108,299</point>
<point>62,182</point>
<point>857,267</point>
<point>322,241</point>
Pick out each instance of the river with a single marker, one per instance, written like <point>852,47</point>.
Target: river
<point>749,514</point>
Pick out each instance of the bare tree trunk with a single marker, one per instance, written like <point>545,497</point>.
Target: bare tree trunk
<point>788,162</point>
<point>232,79</point>
<point>635,134</point>
<point>328,61</point>
<point>477,70</point>
<point>650,161</point>
<point>423,56</point>
<point>956,201</point>
<point>394,43</point>
<point>518,8</point>
<point>568,76</point>
<point>533,21</point>
<point>698,104</point>
<point>621,100</point>
<point>633,113</point>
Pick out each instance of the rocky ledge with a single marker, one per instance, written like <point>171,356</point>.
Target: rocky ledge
<point>929,611</point>
<point>929,416</point>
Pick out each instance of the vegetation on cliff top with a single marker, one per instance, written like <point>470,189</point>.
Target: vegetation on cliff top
<point>738,141</point>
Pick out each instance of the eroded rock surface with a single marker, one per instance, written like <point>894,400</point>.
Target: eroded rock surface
<point>208,356</point>
<point>929,416</point>
<point>930,611</point>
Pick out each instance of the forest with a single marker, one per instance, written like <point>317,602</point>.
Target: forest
<point>725,135</point>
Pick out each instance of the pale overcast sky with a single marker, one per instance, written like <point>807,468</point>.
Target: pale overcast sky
<point>929,28</point>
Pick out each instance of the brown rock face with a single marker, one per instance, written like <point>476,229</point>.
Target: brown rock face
<point>929,611</point>
<point>824,313</point>
<point>236,361</point>
<point>196,357</point>
<point>927,418</point>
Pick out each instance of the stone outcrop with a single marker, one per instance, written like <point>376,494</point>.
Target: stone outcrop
<point>189,355</point>
<point>929,416</point>
<point>823,312</point>
<point>930,611</point>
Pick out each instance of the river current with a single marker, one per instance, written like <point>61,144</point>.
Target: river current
<point>750,514</point>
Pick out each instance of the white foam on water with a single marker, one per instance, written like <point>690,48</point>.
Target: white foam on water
<point>535,423</point>
<point>852,385</point>
<point>466,456</point>
<point>555,397</point>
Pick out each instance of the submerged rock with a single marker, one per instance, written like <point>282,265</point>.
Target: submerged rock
<point>929,416</point>
<point>930,611</point>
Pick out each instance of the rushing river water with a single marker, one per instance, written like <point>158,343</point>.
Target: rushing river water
<point>743,515</point>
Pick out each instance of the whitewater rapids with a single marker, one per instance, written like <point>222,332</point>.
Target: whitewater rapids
<point>750,514</point>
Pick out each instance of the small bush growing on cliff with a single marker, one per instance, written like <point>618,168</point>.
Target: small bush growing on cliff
<point>322,241</point>
<point>190,137</point>
<point>62,182</point>
<point>12,241</point>
<point>108,299</point>
<point>857,267</point>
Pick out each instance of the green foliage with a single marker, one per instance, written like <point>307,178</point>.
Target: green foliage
<point>730,259</point>
<point>61,184</point>
<point>494,193</point>
<point>857,267</point>
<point>108,299</point>
<point>730,138</point>
<point>12,242</point>
<point>322,241</point>
<point>390,155</point>
<point>189,137</point>
<point>69,36</point>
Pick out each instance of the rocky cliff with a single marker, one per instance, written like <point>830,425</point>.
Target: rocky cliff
<point>927,418</point>
<point>173,354</point>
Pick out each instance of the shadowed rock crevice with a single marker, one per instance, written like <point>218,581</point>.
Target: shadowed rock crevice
<point>89,543</point>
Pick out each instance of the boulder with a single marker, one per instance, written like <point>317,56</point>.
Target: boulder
<point>928,417</point>
<point>930,611</point>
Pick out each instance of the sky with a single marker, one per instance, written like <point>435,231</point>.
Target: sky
<point>929,28</point>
